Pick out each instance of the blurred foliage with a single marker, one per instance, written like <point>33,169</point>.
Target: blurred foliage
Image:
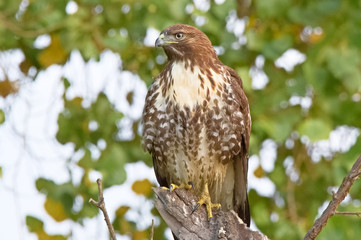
<point>327,32</point>
<point>37,226</point>
<point>2,116</point>
<point>7,87</point>
<point>142,187</point>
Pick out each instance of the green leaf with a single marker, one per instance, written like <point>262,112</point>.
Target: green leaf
<point>66,83</point>
<point>275,48</point>
<point>140,235</point>
<point>34,224</point>
<point>121,211</point>
<point>58,194</point>
<point>53,54</point>
<point>55,209</point>
<point>142,187</point>
<point>86,161</point>
<point>2,116</point>
<point>43,185</point>
<point>111,165</point>
<point>74,122</point>
<point>246,78</point>
<point>315,129</point>
<point>37,226</point>
<point>345,65</point>
<point>120,223</point>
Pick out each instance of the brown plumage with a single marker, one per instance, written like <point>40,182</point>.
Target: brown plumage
<point>197,122</point>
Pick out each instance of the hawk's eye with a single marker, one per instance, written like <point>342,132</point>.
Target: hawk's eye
<point>179,35</point>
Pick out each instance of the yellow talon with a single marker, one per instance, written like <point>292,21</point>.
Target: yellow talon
<point>206,200</point>
<point>173,187</point>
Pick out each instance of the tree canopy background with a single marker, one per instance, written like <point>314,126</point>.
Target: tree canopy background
<point>300,62</point>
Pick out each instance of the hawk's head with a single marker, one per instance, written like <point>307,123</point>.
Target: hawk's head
<point>181,42</point>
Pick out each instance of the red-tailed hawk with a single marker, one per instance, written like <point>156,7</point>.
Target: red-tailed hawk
<point>197,123</point>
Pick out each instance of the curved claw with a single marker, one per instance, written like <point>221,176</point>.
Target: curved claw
<point>173,186</point>
<point>206,200</point>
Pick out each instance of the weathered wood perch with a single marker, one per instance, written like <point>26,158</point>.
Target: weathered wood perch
<point>176,209</point>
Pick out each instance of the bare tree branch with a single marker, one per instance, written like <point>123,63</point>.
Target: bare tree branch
<point>348,213</point>
<point>337,198</point>
<point>176,208</point>
<point>101,205</point>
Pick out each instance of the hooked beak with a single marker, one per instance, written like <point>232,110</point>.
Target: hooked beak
<point>160,41</point>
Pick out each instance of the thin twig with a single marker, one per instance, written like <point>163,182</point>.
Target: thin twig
<point>355,175</point>
<point>101,205</point>
<point>152,230</point>
<point>337,198</point>
<point>348,213</point>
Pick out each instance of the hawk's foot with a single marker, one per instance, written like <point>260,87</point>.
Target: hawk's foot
<point>206,200</point>
<point>186,186</point>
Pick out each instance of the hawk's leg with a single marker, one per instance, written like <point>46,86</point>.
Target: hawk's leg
<point>205,199</point>
<point>186,186</point>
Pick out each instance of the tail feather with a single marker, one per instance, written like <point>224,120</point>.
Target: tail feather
<point>243,212</point>
<point>241,206</point>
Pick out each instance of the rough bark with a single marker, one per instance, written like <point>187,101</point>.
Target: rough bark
<point>176,208</point>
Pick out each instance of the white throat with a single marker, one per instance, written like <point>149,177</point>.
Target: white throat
<point>187,87</point>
